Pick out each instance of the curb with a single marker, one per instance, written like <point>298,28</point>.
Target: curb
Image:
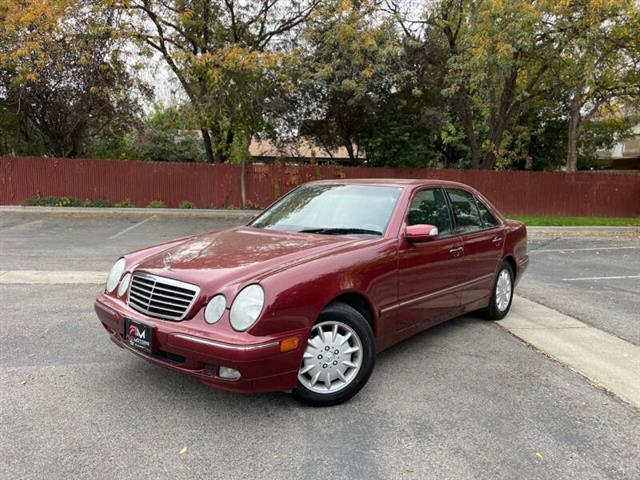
<point>94,211</point>
<point>597,228</point>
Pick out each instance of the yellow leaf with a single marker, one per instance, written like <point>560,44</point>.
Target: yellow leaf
<point>183,451</point>
<point>539,456</point>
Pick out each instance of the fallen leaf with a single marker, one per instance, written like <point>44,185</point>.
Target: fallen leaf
<point>183,451</point>
<point>539,456</point>
<point>23,382</point>
<point>408,469</point>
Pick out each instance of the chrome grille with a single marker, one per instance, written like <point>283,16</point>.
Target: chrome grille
<point>161,297</point>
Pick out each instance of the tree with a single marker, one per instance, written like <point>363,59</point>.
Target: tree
<point>600,68</point>
<point>164,135</point>
<point>499,55</point>
<point>503,56</point>
<point>243,86</point>
<point>350,66</point>
<point>62,75</point>
<point>194,37</point>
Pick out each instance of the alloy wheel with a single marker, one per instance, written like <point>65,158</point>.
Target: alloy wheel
<point>332,359</point>
<point>503,290</point>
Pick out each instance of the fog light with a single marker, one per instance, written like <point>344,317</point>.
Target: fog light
<point>228,373</point>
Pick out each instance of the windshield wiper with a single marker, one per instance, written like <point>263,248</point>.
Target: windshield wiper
<point>341,231</point>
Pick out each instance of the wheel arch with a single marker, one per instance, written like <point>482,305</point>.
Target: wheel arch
<point>359,302</point>
<point>514,266</point>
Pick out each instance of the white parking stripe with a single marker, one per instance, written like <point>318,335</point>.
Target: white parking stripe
<point>603,358</point>
<point>590,249</point>
<point>128,229</point>
<point>45,277</point>
<point>623,277</point>
<point>21,226</point>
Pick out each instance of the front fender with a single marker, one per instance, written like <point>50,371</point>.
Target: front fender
<point>295,297</point>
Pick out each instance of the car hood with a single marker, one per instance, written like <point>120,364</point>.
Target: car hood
<point>243,254</point>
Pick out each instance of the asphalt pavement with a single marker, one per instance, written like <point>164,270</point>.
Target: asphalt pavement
<point>593,276</point>
<point>466,399</point>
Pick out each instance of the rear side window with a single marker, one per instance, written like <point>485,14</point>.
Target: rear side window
<point>486,216</point>
<point>429,207</point>
<point>465,211</point>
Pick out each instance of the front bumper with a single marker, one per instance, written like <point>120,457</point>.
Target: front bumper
<point>193,348</point>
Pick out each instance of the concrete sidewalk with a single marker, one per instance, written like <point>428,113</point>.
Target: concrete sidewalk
<point>94,211</point>
<point>606,360</point>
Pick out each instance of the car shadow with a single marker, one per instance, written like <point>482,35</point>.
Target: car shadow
<point>159,382</point>
<point>438,338</point>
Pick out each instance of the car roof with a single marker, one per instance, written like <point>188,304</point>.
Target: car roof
<point>391,182</point>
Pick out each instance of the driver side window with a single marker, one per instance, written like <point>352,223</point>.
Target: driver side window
<point>429,207</point>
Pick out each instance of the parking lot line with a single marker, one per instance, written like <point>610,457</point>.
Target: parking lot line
<point>22,226</point>
<point>128,229</point>
<point>606,360</point>
<point>36,277</point>
<point>580,279</point>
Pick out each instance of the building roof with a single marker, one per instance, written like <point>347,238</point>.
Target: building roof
<point>301,148</point>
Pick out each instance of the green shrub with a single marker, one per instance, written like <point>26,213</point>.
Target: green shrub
<point>187,204</point>
<point>41,201</point>
<point>156,204</point>
<point>65,201</point>
<point>126,203</point>
<point>102,203</point>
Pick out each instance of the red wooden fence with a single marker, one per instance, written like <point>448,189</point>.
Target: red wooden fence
<point>218,186</point>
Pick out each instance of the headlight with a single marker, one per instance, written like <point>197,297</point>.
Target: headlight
<point>246,307</point>
<point>215,309</point>
<point>114,275</point>
<point>124,284</point>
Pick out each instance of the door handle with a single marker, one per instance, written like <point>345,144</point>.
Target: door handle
<point>497,240</point>
<point>456,251</point>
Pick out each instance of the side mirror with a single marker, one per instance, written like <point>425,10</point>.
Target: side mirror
<point>421,233</point>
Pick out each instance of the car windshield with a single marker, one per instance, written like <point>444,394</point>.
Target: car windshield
<point>332,210</point>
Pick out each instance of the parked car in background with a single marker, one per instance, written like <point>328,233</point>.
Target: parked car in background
<point>304,296</point>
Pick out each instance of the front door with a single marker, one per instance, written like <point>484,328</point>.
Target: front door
<point>429,271</point>
<point>483,241</point>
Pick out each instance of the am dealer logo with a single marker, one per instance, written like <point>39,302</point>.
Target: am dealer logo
<point>134,332</point>
<point>139,336</point>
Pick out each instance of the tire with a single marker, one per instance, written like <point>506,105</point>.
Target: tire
<point>497,309</point>
<point>340,338</point>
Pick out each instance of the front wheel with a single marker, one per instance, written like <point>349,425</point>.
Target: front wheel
<point>338,359</point>
<point>500,302</point>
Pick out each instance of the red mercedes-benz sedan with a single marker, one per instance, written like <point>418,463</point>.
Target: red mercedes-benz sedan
<point>304,296</point>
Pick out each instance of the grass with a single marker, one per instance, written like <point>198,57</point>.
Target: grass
<point>552,221</point>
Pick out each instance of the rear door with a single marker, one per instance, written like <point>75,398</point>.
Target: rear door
<point>429,271</point>
<point>483,241</point>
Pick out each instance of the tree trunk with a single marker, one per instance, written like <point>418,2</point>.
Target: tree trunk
<point>206,138</point>
<point>466,116</point>
<point>349,146</point>
<point>501,113</point>
<point>243,193</point>
<point>572,138</point>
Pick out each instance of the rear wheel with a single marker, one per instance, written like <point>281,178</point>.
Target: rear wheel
<point>502,296</point>
<point>338,359</point>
